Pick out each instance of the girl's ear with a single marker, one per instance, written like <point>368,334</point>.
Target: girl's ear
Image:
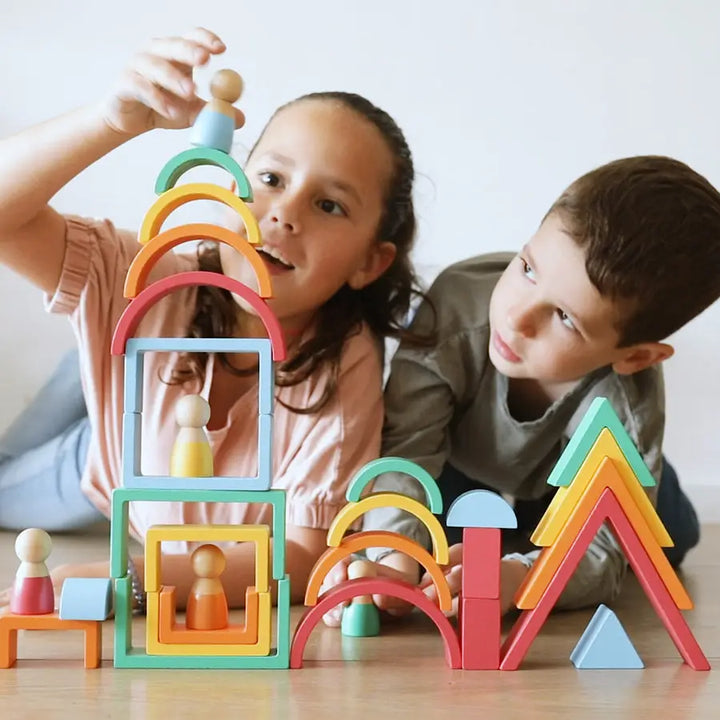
<point>379,258</point>
<point>643,356</point>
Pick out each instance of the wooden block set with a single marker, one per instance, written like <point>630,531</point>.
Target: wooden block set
<point>600,478</point>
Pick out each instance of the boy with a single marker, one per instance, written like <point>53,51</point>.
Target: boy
<point>627,255</point>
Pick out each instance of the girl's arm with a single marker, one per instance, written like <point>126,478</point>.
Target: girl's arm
<point>156,90</point>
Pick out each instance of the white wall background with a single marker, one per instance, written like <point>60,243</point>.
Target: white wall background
<point>503,103</point>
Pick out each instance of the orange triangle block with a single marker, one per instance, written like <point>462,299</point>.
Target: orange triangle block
<point>566,498</point>
<point>547,564</point>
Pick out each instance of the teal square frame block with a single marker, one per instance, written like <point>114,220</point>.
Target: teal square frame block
<point>119,520</point>
<point>127,656</point>
<point>132,417</point>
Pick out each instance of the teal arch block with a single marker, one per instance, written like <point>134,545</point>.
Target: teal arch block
<point>127,656</point>
<point>600,415</point>
<point>371,470</point>
<point>605,645</point>
<point>481,509</point>
<point>196,157</point>
<point>86,599</point>
<point>119,519</point>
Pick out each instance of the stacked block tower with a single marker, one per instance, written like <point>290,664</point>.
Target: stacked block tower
<point>190,478</point>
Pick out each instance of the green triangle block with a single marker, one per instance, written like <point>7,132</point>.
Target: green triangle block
<point>600,415</point>
<point>605,645</point>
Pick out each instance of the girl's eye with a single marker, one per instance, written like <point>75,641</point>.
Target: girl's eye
<point>270,179</point>
<point>331,207</point>
<point>527,270</point>
<point>565,319</point>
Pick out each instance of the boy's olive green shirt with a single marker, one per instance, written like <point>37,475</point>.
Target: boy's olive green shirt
<point>448,403</point>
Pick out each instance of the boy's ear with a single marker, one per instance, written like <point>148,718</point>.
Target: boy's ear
<point>379,258</point>
<point>642,356</point>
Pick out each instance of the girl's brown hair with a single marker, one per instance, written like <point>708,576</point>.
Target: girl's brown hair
<point>383,304</point>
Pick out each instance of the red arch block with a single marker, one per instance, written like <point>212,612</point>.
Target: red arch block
<point>374,586</point>
<point>134,312</point>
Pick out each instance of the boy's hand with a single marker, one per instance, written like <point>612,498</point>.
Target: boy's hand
<point>512,574</point>
<point>395,565</point>
<point>156,90</point>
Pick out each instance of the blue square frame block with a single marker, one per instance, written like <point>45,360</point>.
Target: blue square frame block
<point>86,599</point>
<point>132,418</point>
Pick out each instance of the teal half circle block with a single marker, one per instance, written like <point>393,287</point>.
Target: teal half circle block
<point>371,470</point>
<point>481,509</point>
<point>195,157</point>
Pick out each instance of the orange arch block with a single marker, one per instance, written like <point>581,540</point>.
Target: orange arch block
<point>173,199</point>
<point>353,510</point>
<point>379,538</point>
<point>157,246</point>
<point>551,557</point>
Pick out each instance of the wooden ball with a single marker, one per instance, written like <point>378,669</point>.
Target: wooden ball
<point>208,561</point>
<point>33,545</point>
<point>192,411</point>
<point>226,85</point>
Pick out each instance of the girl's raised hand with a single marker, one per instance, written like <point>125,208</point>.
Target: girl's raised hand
<point>156,89</point>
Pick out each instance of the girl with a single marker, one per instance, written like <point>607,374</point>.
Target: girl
<point>332,178</point>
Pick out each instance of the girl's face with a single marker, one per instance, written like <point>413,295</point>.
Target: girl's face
<point>319,175</point>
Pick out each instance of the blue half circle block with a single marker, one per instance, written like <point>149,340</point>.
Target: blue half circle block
<point>481,509</point>
<point>213,129</point>
<point>605,645</point>
<point>86,599</point>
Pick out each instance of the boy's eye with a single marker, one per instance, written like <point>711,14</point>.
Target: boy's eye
<point>331,207</point>
<point>270,179</point>
<point>527,270</point>
<point>565,319</point>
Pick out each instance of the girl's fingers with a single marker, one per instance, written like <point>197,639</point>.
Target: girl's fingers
<point>187,50</point>
<point>206,37</point>
<point>165,74</point>
<point>154,97</point>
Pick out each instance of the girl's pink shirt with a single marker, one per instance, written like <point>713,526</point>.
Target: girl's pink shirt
<point>314,456</point>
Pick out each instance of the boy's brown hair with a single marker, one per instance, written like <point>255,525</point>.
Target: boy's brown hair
<point>650,227</point>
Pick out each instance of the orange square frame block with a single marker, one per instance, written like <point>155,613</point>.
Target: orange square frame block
<point>10,623</point>
<point>171,632</point>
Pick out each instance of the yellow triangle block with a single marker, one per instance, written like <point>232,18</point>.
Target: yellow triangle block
<point>547,564</point>
<point>566,498</point>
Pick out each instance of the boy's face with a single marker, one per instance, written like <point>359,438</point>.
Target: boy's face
<point>548,322</point>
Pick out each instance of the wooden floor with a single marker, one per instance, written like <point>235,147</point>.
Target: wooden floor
<point>400,674</point>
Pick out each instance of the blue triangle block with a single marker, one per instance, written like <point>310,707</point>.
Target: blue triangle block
<point>605,645</point>
<point>600,415</point>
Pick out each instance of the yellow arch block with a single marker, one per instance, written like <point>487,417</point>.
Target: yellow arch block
<point>545,567</point>
<point>380,538</point>
<point>259,534</point>
<point>353,510</point>
<point>158,245</point>
<point>172,199</point>
<point>566,498</point>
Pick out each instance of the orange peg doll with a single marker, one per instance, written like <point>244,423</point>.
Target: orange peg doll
<point>207,607</point>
